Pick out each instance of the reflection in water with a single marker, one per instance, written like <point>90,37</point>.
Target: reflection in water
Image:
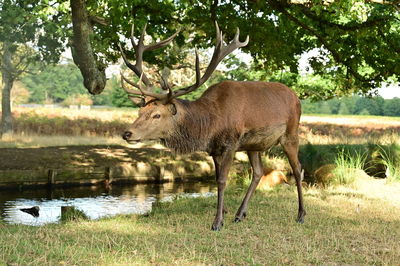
<point>95,202</point>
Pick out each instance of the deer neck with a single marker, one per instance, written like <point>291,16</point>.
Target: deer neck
<point>193,129</point>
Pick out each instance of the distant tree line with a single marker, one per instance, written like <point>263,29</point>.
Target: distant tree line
<point>62,84</point>
<point>355,105</point>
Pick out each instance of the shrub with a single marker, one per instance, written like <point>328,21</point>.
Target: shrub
<point>391,159</point>
<point>347,167</point>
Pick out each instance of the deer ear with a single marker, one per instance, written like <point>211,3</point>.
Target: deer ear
<point>138,101</point>
<point>172,108</point>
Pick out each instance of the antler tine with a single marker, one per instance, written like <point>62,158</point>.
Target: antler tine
<point>162,43</point>
<point>127,90</point>
<point>141,91</point>
<point>141,40</point>
<point>132,33</point>
<point>220,51</point>
<point>137,68</point>
<point>197,68</point>
<point>235,43</point>
<point>218,33</point>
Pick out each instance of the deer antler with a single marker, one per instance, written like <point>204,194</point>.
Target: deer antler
<point>137,68</point>
<point>220,52</point>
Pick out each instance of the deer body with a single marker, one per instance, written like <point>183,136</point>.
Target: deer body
<point>244,116</point>
<point>230,116</point>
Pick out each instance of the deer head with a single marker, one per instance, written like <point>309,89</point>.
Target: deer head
<point>160,112</point>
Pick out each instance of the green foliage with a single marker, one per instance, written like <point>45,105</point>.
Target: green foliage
<point>364,112</point>
<point>325,108</point>
<point>392,107</point>
<point>374,105</point>
<point>55,83</point>
<point>36,23</point>
<point>279,33</point>
<point>104,98</point>
<point>119,97</point>
<point>309,107</point>
<point>343,109</point>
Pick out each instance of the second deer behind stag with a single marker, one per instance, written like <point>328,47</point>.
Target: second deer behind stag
<point>230,116</point>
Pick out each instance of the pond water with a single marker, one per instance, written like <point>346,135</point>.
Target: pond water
<point>95,202</point>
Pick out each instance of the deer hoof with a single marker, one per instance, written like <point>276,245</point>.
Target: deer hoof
<point>240,218</point>
<point>300,217</point>
<point>217,226</point>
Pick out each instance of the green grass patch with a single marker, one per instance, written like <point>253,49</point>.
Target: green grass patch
<point>347,166</point>
<point>343,226</point>
<point>390,157</point>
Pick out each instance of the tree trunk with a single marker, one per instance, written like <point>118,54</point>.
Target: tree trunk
<point>6,126</point>
<point>94,76</point>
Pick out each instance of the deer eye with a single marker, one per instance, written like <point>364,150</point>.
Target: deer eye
<point>156,116</point>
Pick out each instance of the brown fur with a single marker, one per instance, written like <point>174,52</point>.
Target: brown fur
<point>239,115</point>
<point>229,116</point>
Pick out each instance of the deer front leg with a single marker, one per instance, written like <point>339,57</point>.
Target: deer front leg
<point>222,165</point>
<point>257,165</point>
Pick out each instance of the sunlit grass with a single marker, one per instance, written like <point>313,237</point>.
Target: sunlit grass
<point>356,225</point>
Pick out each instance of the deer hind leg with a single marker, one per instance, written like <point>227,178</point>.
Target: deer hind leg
<point>290,144</point>
<point>256,164</point>
<point>222,165</point>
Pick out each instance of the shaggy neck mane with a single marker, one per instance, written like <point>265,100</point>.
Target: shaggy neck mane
<point>193,128</point>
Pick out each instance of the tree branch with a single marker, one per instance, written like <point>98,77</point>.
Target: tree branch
<point>389,42</point>
<point>98,20</point>
<point>322,39</point>
<point>93,72</point>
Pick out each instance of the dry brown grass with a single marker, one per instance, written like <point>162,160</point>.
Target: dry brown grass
<point>322,130</point>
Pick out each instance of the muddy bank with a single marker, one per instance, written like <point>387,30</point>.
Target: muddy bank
<point>78,165</point>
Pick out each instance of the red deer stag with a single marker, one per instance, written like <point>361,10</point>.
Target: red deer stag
<point>230,116</point>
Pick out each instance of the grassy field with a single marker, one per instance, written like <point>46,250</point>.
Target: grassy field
<point>352,225</point>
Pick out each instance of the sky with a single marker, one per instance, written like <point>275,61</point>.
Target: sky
<point>389,91</point>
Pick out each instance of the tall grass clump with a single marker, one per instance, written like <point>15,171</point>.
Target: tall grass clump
<point>391,159</point>
<point>314,156</point>
<point>348,167</point>
<point>241,174</point>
